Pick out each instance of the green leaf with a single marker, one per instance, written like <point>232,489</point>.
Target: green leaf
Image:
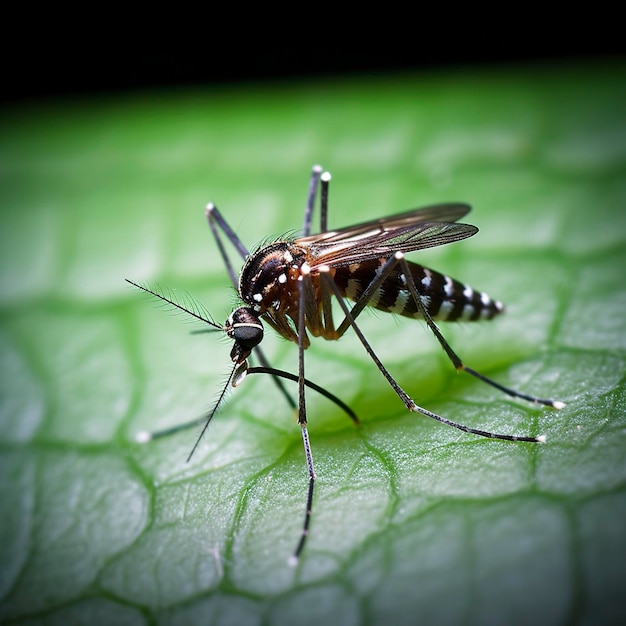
<point>412,521</point>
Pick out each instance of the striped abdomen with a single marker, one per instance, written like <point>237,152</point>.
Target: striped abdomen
<point>445,298</point>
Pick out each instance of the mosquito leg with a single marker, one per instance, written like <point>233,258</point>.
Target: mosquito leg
<point>305,278</point>
<point>305,284</point>
<point>406,399</point>
<point>325,178</point>
<point>327,313</point>
<point>310,200</point>
<point>456,361</point>
<point>214,216</point>
<point>309,500</point>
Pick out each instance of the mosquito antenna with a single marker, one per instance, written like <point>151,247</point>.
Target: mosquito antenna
<point>194,310</point>
<point>213,411</point>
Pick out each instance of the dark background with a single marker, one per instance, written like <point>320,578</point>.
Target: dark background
<point>110,67</point>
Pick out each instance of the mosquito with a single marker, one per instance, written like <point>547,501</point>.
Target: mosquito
<point>290,284</point>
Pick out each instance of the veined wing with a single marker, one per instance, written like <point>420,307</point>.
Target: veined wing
<point>448,212</point>
<point>406,232</point>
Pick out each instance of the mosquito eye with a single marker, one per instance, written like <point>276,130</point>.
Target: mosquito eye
<point>248,336</point>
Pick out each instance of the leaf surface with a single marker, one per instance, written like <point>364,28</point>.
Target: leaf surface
<point>412,521</point>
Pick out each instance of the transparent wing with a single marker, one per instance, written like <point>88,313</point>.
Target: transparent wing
<point>406,232</point>
<point>450,212</point>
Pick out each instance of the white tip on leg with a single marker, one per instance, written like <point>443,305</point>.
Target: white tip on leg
<point>293,560</point>
<point>143,436</point>
<point>540,439</point>
<point>559,405</point>
<point>326,177</point>
<point>209,209</point>
<point>317,168</point>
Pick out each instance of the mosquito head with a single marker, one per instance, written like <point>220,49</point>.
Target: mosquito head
<point>244,327</point>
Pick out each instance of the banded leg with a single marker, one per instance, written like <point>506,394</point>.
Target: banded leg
<point>305,285</point>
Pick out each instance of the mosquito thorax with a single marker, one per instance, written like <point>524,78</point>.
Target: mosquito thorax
<point>269,276</point>
<point>244,327</point>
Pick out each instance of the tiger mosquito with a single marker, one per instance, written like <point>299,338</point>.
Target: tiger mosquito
<point>290,284</point>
